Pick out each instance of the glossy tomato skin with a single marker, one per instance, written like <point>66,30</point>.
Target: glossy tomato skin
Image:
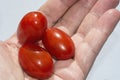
<point>31,27</point>
<point>58,43</point>
<point>36,61</point>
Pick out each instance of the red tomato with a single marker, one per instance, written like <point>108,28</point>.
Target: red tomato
<point>31,27</point>
<point>58,43</point>
<point>35,61</point>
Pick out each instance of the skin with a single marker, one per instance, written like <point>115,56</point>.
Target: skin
<point>88,22</point>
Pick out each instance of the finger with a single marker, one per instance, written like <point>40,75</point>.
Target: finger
<point>73,17</point>
<point>54,9</point>
<point>103,28</point>
<point>100,7</point>
<point>89,48</point>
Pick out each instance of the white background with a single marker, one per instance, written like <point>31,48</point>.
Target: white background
<point>107,64</point>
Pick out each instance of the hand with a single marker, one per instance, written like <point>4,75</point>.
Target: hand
<point>88,22</point>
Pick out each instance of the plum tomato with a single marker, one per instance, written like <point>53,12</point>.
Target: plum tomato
<point>58,44</point>
<point>31,27</point>
<point>36,61</point>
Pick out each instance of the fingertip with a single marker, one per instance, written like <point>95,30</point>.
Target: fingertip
<point>114,12</point>
<point>112,16</point>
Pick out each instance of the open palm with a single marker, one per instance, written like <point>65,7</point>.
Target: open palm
<point>88,22</point>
